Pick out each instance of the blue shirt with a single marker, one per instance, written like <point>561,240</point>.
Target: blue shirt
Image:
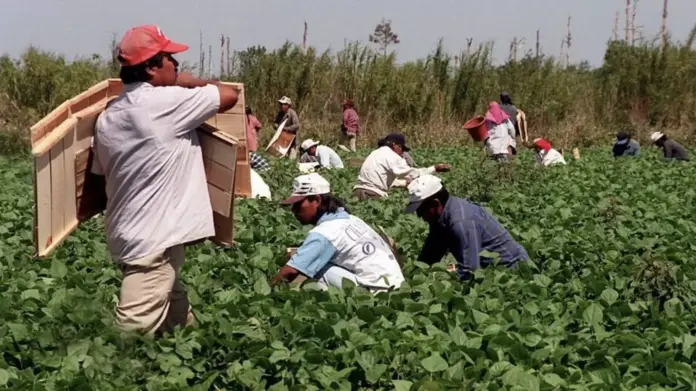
<point>465,229</point>
<point>316,251</point>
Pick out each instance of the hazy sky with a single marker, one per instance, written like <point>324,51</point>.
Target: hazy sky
<point>83,27</point>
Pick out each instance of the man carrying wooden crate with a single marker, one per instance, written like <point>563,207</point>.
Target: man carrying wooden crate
<point>147,152</point>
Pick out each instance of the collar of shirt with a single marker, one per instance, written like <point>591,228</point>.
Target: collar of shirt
<point>340,214</point>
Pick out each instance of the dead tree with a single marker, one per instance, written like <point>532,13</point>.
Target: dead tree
<point>538,44</point>
<point>616,27</point>
<point>304,38</point>
<point>628,22</point>
<point>222,55</point>
<point>201,63</point>
<point>384,36</point>
<point>663,31</point>
<point>569,43</point>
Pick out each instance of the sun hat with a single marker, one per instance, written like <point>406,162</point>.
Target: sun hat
<point>307,185</point>
<point>420,189</point>
<point>309,143</point>
<point>656,136</point>
<point>285,101</point>
<point>141,43</point>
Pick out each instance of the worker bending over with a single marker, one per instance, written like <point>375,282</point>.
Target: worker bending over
<point>545,154</point>
<point>386,164</point>
<point>340,245</point>
<point>325,156</point>
<point>460,227</point>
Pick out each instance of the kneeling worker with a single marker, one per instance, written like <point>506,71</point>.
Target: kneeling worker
<point>327,157</point>
<point>461,227</point>
<point>340,245</point>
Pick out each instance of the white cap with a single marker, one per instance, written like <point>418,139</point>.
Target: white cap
<point>307,185</point>
<point>420,189</point>
<point>285,101</point>
<point>309,143</point>
<point>656,136</point>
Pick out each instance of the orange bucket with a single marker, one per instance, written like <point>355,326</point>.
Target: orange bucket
<point>477,128</point>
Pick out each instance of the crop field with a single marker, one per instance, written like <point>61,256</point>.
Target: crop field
<point>606,303</point>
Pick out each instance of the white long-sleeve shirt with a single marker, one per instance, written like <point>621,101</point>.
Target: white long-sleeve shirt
<point>382,167</point>
<point>500,137</point>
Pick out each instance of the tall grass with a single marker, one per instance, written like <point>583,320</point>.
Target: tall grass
<point>639,88</point>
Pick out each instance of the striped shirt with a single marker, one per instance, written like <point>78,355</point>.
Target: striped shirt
<point>465,229</point>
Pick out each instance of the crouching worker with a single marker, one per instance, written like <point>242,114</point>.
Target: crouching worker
<point>340,245</point>
<point>545,154</point>
<point>460,227</point>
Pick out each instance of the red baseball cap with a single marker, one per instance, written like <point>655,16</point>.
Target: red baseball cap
<point>143,42</point>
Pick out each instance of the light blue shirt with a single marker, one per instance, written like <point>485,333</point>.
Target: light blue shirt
<point>316,250</point>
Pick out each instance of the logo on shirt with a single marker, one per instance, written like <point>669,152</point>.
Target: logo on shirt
<point>368,248</point>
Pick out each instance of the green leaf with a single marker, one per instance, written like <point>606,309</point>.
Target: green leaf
<point>375,372</point>
<point>518,377</point>
<point>58,268</point>
<point>610,296</point>
<point>402,385</point>
<point>554,380</point>
<point>261,286</point>
<point>31,294</point>
<point>434,363</point>
<point>4,377</point>
<point>593,314</point>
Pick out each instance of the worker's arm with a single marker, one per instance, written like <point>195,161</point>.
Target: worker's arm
<point>315,253</point>
<point>228,94</point>
<point>510,128</point>
<point>668,151</point>
<point>433,249</point>
<point>467,246</point>
<point>295,120</point>
<point>324,158</point>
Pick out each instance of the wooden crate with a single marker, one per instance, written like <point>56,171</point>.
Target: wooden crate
<point>61,145</point>
<point>233,122</point>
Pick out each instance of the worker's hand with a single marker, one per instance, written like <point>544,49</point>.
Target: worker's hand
<point>442,167</point>
<point>187,80</point>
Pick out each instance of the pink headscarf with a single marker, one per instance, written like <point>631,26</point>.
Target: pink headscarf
<point>495,114</point>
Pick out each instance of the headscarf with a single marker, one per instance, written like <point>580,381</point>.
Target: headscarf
<point>542,144</point>
<point>495,114</point>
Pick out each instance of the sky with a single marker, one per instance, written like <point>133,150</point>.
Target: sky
<point>78,28</point>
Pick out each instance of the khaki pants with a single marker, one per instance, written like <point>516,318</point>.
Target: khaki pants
<point>364,195</point>
<point>347,141</point>
<point>152,298</point>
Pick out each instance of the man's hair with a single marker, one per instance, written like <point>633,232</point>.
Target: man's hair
<point>138,73</point>
<point>328,204</point>
<point>442,196</point>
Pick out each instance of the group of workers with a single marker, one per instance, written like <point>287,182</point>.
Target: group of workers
<point>146,157</point>
<point>627,146</point>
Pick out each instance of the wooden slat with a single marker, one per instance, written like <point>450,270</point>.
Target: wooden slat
<point>221,153</point>
<point>50,122</point>
<point>241,100</point>
<point>87,98</point>
<point>232,124</point>
<point>69,204</point>
<point>219,175</point>
<point>115,87</point>
<point>57,190</point>
<point>42,186</point>
<point>220,200</point>
<point>81,160</point>
<point>242,182</point>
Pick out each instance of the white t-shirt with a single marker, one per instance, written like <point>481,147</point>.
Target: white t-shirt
<point>549,158</point>
<point>328,158</point>
<point>382,167</point>
<point>146,146</point>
